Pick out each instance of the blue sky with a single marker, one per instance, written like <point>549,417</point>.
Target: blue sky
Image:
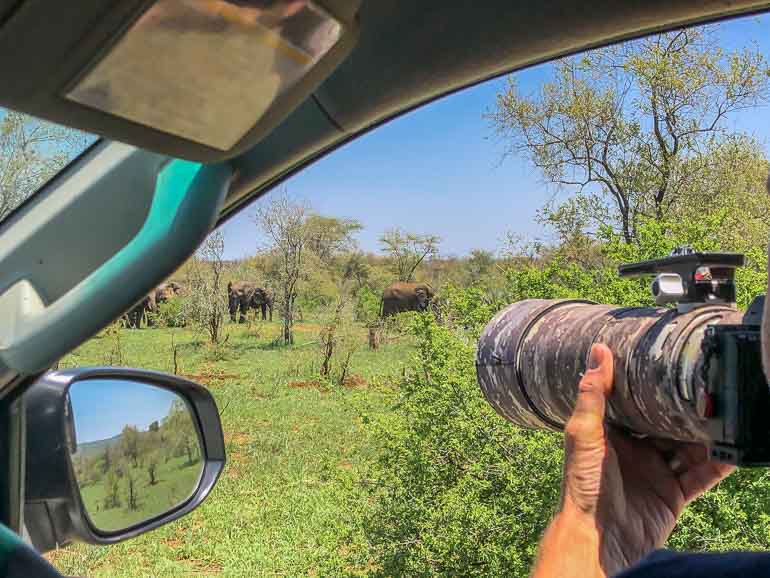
<point>438,170</point>
<point>103,407</point>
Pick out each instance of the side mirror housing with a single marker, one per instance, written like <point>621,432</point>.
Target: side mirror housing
<point>113,453</point>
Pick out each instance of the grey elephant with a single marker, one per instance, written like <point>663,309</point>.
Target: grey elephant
<point>245,295</point>
<point>401,296</point>
<point>133,318</point>
<point>149,304</point>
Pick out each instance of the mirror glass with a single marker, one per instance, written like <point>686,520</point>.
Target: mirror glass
<point>135,450</point>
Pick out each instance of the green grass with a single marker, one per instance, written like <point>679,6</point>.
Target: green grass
<point>293,495</point>
<point>175,481</point>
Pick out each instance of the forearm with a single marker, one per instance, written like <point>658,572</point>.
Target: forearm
<point>569,547</point>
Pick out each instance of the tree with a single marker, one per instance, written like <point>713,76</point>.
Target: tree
<point>111,490</point>
<point>107,459</point>
<point>129,444</point>
<point>206,303</point>
<point>285,224</point>
<point>131,477</point>
<point>31,152</point>
<point>356,269</point>
<point>408,251</point>
<point>182,434</point>
<point>634,128</point>
<point>152,467</point>
<point>331,236</point>
<point>479,264</point>
<point>294,233</point>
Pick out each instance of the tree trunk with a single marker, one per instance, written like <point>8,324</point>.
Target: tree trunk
<point>374,338</point>
<point>288,319</point>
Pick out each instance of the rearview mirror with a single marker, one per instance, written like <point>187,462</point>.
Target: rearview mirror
<point>112,453</point>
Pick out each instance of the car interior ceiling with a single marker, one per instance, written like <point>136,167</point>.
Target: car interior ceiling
<point>379,80</point>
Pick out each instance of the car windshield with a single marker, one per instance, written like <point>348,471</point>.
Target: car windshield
<point>32,151</point>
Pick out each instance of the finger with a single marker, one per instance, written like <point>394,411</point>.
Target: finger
<point>698,480</point>
<point>587,421</point>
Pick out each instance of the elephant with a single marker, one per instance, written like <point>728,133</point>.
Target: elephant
<point>133,318</point>
<point>245,295</point>
<point>166,291</point>
<point>401,296</point>
<point>149,304</point>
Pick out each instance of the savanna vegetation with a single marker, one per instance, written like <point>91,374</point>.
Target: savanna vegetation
<point>136,475</point>
<point>352,455</point>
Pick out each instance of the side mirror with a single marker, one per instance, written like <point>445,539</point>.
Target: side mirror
<point>113,453</point>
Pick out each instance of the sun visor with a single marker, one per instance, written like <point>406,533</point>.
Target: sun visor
<point>198,79</point>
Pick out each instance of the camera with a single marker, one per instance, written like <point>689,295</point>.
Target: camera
<point>689,369</point>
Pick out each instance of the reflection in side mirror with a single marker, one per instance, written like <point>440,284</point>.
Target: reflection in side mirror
<point>137,453</point>
<point>114,452</point>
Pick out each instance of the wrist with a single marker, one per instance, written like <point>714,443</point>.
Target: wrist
<point>570,546</point>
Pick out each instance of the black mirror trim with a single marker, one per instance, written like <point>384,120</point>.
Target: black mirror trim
<point>54,511</point>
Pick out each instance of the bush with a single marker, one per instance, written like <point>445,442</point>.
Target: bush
<point>367,306</point>
<point>460,491</point>
<point>172,313</point>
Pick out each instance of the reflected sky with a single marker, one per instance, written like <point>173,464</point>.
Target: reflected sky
<point>103,407</point>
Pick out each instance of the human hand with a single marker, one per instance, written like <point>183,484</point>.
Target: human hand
<point>621,494</point>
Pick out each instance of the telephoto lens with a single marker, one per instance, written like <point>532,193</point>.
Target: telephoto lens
<point>532,355</point>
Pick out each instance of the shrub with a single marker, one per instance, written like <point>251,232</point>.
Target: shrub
<point>172,313</point>
<point>460,491</point>
<point>367,309</point>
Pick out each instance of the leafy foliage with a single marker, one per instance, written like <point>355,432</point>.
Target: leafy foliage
<point>461,491</point>
<point>206,305</point>
<point>637,129</point>
<point>31,152</point>
<point>408,250</point>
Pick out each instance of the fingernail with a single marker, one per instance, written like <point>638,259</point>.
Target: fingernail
<point>593,360</point>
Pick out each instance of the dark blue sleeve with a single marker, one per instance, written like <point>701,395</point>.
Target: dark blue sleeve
<point>668,564</point>
<point>18,560</point>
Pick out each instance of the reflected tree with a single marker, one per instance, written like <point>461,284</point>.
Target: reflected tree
<point>129,444</point>
<point>111,490</point>
<point>131,478</point>
<point>152,467</point>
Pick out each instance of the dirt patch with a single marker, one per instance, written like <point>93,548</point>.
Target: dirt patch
<point>210,374</point>
<point>214,378</point>
<point>219,376</point>
<point>238,438</point>
<point>308,384</point>
<point>236,458</point>
<point>356,381</point>
<point>345,465</point>
<point>204,567</point>
<point>172,543</point>
<point>235,465</point>
<point>307,328</point>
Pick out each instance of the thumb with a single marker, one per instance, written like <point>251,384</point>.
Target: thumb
<point>587,421</point>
